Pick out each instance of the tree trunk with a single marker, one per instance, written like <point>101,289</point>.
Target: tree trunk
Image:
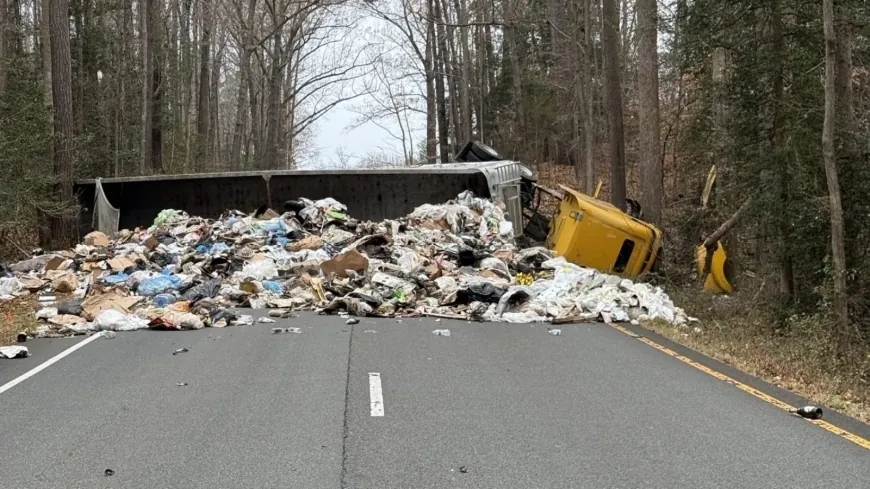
<point>79,67</point>
<point>156,52</point>
<point>186,77</point>
<point>786,267</point>
<point>241,97</point>
<point>4,8</point>
<point>442,69</point>
<point>202,114</point>
<point>213,110</point>
<point>464,68</point>
<point>273,110</point>
<point>613,93</point>
<point>61,227</point>
<point>438,67</point>
<point>46,53</point>
<point>652,180</point>
<point>147,86</point>
<point>477,83</point>
<point>841,307</point>
<point>256,126</point>
<point>588,91</point>
<point>429,63</point>
<point>847,123</point>
<point>510,42</point>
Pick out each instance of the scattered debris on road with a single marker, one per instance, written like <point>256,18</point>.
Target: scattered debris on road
<point>286,330</point>
<point>181,350</point>
<point>454,260</point>
<point>14,351</point>
<point>554,331</point>
<point>809,412</point>
<point>352,321</point>
<point>463,469</point>
<point>181,384</point>
<point>266,320</point>
<point>108,473</point>
<point>441,332</point>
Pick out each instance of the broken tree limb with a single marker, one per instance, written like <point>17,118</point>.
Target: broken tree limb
<point>710,241</point>
<point>551,192</point>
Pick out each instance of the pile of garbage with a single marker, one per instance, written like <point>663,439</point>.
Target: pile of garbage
<point>455,260</point>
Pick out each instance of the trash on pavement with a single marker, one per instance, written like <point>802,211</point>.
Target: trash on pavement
<point>244,320</point>
<point>181,350</point>
<point>113,320</point>
<point>352,321</point>
<point>453,260</point>
<point>181,384</point>
<point>108,472</point>
<point>809,412</point>
<point>555,331</point>
<point>286,330</point>
<point>14,351</point>
<point>350,260</point>
<point>266,320</point>
<point>441,332</point>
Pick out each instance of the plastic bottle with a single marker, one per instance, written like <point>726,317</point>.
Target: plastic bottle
<point>163,300</point>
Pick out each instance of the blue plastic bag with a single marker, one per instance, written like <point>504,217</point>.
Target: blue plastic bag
<point>275,226</point>
<point>163,300</point>
<point>158,285</point>
<point>219,248</point>
<point>273,287</point>
<point>116,278</point>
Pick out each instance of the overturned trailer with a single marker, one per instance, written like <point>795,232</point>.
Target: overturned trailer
<point>370,194</point>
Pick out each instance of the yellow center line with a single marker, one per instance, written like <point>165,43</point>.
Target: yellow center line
<point>862,442</point>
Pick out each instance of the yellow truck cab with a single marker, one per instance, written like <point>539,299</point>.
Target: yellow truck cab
<point>595,234</point>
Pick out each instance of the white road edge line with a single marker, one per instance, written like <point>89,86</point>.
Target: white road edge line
<point>376,394</point>
<point>51,361</point>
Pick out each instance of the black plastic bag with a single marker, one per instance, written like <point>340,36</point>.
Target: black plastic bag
<point>71,307</point>
<point>482,292</point>
<point>209,289</point>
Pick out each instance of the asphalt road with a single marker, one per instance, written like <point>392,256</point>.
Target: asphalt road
<point>490,406</point>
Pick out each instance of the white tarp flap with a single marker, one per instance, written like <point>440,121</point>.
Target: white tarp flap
<point>106,217</point>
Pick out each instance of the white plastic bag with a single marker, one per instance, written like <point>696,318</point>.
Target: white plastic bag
<point>9,285</point>
<point>260,270</point>
<point>112,320</point>
<point>14,351</point>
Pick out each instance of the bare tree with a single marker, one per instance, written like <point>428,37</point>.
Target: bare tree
<point>652,180</point>
<point>4,9</point>
<point>245,39</point>
<point>838,250</point>
<point>588,91</point>
<point>786,271</point>
<point>147,85</point>
<point>202,113</point>
<point>613,94</point>
<point>45,41</point>
<point>61,226</point>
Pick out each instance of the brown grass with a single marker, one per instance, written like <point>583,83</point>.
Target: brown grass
<point>740,330</point>
<point>801,358</point>
<point>17,315</point>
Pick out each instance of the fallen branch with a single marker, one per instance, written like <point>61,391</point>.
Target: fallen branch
<point>549,191</point>
<point>710,241</point>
